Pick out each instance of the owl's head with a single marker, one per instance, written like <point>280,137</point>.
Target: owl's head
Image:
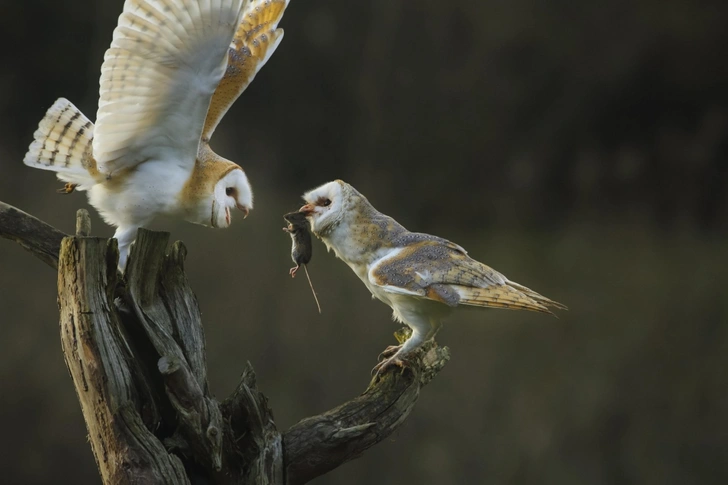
<point>327,205</point>
<point>215,187</point>
<point>231,192</point>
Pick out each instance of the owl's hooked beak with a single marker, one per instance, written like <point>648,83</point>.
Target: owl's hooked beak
<point>307,209</point>
<point>244,210</point>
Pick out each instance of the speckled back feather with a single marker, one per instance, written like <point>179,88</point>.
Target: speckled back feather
<point>443,272</point>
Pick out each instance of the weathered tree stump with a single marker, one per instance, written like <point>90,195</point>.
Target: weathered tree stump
<point>135,348</point>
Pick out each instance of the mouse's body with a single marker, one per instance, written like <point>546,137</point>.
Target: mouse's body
<point>301,245</point>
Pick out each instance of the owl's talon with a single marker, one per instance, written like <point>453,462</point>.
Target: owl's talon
<point>388,352</point>
<point>67,189</point>
<point>382,367</point>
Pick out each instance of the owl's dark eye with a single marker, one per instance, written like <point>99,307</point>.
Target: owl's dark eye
<point>230,191</point>
<point>326,202</point>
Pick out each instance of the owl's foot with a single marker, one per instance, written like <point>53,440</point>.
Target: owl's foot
<point>67,189</point>
<point>389,352</point>
<point>293,270</point>
<point>394,361</point>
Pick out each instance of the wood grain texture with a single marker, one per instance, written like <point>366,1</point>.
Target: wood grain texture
<point>135,348</point>
<point>318,444</point>
<point>37,237</point>
<point>98,356</point>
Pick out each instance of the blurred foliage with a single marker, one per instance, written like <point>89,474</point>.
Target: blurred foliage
<point>580,148</point>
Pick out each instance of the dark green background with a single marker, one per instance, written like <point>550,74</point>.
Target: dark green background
<point>578,147</point>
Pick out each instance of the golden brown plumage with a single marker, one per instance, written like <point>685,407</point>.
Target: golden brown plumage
<point>439,270</point>
<point>255,41</point>
<point>420,276</point>
<point>172,71</point>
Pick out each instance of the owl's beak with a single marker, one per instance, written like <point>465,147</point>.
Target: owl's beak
<point>244,210</point>
<point>307,209</point>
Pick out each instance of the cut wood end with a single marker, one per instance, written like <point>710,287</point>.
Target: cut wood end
<point>83,223</point>
<point>168,365</point>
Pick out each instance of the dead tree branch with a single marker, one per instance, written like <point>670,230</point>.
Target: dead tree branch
<point>135,349</point>
<point>318,444</point>
<point>41,239</point>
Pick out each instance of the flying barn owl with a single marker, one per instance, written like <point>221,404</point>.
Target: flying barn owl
<point>421,277</point>
<point>173,70</point>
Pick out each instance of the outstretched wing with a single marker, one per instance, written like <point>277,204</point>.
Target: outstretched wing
<point>446,274</point>
<point>255,41</point>
<point>165,61</point>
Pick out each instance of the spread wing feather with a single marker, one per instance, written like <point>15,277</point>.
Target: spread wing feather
<point>255,40</point>
<point>445,273</point>
<point>165,61</point>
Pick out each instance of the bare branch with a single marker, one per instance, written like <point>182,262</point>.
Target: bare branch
<point>318,444</point>
<point>41,239</point>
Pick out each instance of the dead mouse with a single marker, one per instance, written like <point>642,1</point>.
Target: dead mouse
<point>302,245</point>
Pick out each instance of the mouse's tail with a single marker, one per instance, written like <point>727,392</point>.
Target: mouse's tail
<point>305,268</point>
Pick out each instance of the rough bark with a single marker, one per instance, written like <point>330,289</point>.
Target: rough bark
<point>41,239</point>
<point>319,444</point>
<point>135,349</point>
<point>97,352</point>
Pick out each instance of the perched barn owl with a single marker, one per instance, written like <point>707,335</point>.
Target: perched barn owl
<point>421,277</point>
<point>173,70</point>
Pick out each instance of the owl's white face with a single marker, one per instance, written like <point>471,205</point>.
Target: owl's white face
<point>232,191</point>
<point>324,206</point>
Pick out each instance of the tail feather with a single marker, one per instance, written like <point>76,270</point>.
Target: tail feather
<point>503,296</point>
<point>63,144</point>
<point>538,297</point>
